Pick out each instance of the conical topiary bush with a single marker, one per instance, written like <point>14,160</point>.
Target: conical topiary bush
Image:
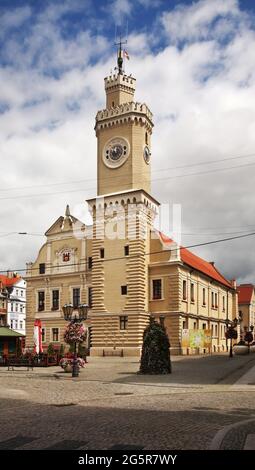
<point>156,350</point>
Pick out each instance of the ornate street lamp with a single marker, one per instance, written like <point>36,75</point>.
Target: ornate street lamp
<point>75,319</point>
<point>68,311</point>
<point>231,332</point>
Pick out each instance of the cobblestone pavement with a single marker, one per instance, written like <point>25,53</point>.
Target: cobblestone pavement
<point>111,406</point>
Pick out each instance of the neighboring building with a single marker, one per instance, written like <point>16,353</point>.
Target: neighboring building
<point>10,341</point>
<point>246,304</point>
<point>15,301</point>
<point>3,304</point>
<point>16,313</point>
<point>122,266</point>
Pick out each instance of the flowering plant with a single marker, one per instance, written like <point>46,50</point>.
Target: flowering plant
<point>67,360</point>
<point>75,333</point>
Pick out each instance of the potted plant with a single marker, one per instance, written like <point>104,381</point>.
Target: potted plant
<point>241,348</point>
<point>67,363</point>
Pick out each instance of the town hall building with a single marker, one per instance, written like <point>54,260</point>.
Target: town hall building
<point>121,266</point>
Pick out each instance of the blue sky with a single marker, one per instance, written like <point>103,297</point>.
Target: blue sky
<point>195,67</point>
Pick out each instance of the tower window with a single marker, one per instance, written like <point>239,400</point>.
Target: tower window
<point>101,252</point>
<point>123,322</point>
<point>146,138</point>
<point>126,250</point>
<point>123,290</point>
<point>90,297</point>
<point>112,104</point>
<point>90,262</point>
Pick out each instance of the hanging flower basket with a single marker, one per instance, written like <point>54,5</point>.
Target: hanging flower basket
<point>75,333</point>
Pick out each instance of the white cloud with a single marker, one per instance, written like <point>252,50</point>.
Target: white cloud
<point>120,9</point>
<point>188,23</point>
<point>14,18</point>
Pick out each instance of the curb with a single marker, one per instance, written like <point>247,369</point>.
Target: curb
<point>218,438</point>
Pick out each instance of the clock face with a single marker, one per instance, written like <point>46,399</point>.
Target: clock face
<point>147,155</point>
<point>116,152</point>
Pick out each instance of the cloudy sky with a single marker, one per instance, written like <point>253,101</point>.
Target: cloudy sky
<point>195,67</point>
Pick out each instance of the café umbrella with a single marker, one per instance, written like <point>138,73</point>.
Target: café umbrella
<point>38,337</point>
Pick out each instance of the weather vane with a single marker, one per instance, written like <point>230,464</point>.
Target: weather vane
<point>120,53</point>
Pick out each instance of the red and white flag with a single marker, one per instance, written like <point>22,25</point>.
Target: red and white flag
<point>38,337</point>
<point>125,53</point>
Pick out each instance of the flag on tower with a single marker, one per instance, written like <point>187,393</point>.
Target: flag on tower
<point>126,54</point>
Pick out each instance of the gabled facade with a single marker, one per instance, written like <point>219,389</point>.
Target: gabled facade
<point>61,274</point>
<point>246,304</point>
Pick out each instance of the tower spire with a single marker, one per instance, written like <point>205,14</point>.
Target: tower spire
<point>120,55</point>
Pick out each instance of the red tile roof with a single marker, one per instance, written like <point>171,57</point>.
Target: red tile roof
<point>245,292</point>
<point>197,263</point>
<point>8,281</point>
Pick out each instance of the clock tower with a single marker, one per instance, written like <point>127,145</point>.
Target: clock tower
<point>123,131</point>
<point>123,214</point>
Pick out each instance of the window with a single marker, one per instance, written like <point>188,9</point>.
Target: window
<point>16,307</point>
<point>76,297</point>
<point>146,138</point>
<point>195,325</point>
<point>192,292</point>
<point>17,292</point>
<point>90,297</point>
<point>21,325</point>
<point>123,290</point>
<point>204,326</point>
<point>126,250</point>
<point>90,262</point>
<point>184,325</point>
<point>216,330</point>
<point>156,289</point>
<point>184,290</point>
<point>16,324</point>
<point>216,300</point>
<point>204,301</point>
<point>101,252</point>
<point>123,322</point>
<point>223,303</point>
<point>41,301</point>
<point>43,335</point>
<point>42,268</point>
<point>12,324</point>
<point>21,293</point>
<point>212,299</point>
<point>55,334</point>
<point>11,307</point>
<point>55,300</point>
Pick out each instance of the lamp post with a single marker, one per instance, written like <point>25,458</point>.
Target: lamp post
<point>231,332</point>
<point>248,335</point>
<point>75,318</point>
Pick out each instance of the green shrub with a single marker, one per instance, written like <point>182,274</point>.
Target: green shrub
<point>156,350</point>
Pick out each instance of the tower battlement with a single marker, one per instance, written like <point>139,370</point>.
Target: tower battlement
<point>118,79</point>
<point>119,88</point>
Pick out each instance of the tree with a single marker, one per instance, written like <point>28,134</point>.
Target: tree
<point>156,350</point>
